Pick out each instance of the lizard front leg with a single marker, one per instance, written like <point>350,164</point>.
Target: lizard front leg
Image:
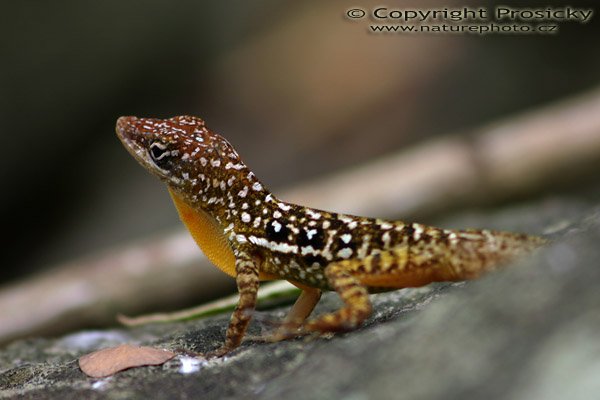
<point>247,271</point>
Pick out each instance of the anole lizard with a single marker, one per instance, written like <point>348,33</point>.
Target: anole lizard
<point>252,235</point>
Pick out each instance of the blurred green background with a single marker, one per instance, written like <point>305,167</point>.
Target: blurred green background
<point>299,89</point>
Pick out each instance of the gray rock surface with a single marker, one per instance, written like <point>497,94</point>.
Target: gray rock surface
<point>527,332</point>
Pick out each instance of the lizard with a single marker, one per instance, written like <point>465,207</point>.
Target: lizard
<point>251,235</point>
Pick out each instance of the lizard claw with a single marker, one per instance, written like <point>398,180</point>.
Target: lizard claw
<point>287,330</point>
<point>220,352</point>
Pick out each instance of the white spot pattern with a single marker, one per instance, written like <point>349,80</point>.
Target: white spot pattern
<point>276,226</point>
<point>346,252</point>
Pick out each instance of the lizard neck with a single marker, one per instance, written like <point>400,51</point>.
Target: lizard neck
<point>218,206</point>
<point>224,191</point>
<point>221,244</point>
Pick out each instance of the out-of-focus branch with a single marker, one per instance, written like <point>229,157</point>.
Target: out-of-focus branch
<point>527,151</point>
<point>92,291</point>
<point>501,159</point>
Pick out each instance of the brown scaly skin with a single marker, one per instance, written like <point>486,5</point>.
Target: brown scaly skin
<point>250,234</point>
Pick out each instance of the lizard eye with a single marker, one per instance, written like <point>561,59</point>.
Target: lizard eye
<point>159,153</point>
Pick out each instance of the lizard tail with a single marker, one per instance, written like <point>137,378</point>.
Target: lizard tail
<point>481,251</point>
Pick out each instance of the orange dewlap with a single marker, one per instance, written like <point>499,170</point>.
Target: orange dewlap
<point>209,236</point>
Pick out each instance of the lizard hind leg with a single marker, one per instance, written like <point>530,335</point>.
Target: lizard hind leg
<point>357,306</point>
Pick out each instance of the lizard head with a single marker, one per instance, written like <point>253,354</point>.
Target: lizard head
<point>177,149</point>
<point>197,164</point>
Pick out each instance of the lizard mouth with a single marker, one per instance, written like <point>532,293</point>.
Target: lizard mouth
<point>129,134</point>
